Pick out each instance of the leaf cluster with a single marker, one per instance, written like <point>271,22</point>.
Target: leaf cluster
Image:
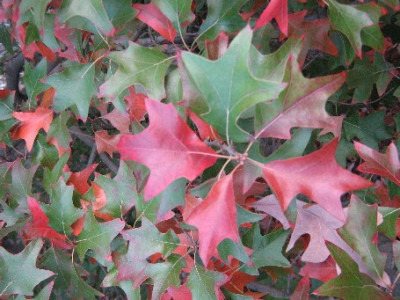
<point>205,149</point>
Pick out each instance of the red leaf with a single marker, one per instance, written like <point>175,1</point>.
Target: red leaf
<point>206,131</point>
<point>383,194</point>
<point>154,17</point>
<point>135,104</point>
<point>244,185</point>
<point>237,280</point>
<point>386,165</point>
<point>181,293</point>
<point>216,48</point>
<point>46,52</point>
<point>38,227</point>
<point>321,227</point>
<point>118,120</point>
<point>316,175</point>
<point>271,206</point>
<point>105,142</point>
<point>168,147</point>
<point>315,33</point>
<point>303,104</point>
<point>31,123</point>
<point>79,179</point>
<point>48,97</point>
<point>302,291</point>
<point>278,10</point>
<point>64,34</point>
<point>215,218</point>
<point>324,271</point>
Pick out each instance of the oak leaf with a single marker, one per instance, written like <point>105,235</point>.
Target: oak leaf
<point>31,123</point>
<point>352,283</point>
<point>38,226</point>
<point>79,179</point>
<point>155,18</point>
<point>323,271</point>
<point>386,165</point>
<point>313,175</point>
<point>171,150</point>
<point>301,104</point>
<point>105,142</point>
<point>278,10</point>
<point>19,272</point>
<point>229,86</point>
<point>219,209</point>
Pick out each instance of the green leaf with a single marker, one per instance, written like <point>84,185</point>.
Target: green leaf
<point>222,15</point>
<point>137,65</point>
<point>245,216</point>
<point>229,86</point>
<point>49,38</point>
<point>92,10</point>
<point>59,129</point>
<point>21,184</point>
<point>74,87</point>
<point>365,74</point>
<point>148,210</point>
<point>358,233</point>
<point>252,238</point>
<point>18,273</point>
<point>68,276</point>
<point>34,9</point>
<point>229,248</point>
<point>9,215</point>
<point>32,79</point>
<point>372,36</point>
<point>43,153</point>
<point>5,38</point>
<point>350,20</point>
<point>143,242</point>
<point>97,236</point>
<point>179,12</point>
<point>16,227</point>
<point>388,226</point>
<point>202,283</point>
<point>273,66</point>
<point>269,251</point>
<point>121,191</point>
<point>350,284</point>
<point>45,292</point>
<point>147,240</point>
<point>370,130</point>
<point>120,12</point>
<point>62,212</point>
<point>50,177</point>
<point>166,274</point>
<point>7,106</point>
<point>171,197</point>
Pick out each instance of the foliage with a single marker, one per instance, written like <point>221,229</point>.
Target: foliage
<point>205,149</point>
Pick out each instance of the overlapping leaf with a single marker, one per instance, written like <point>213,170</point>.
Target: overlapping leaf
<point>220,212</point>
<point>232,91</point>
<point>170,150</point>
<point>137,65</point>
<point>311,175</point>
<point>19,274</point>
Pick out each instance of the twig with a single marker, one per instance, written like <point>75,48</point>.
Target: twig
<point>92,156</point>
<point>139,31</point>
<point>89,140</point>
<point>262,288</point>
